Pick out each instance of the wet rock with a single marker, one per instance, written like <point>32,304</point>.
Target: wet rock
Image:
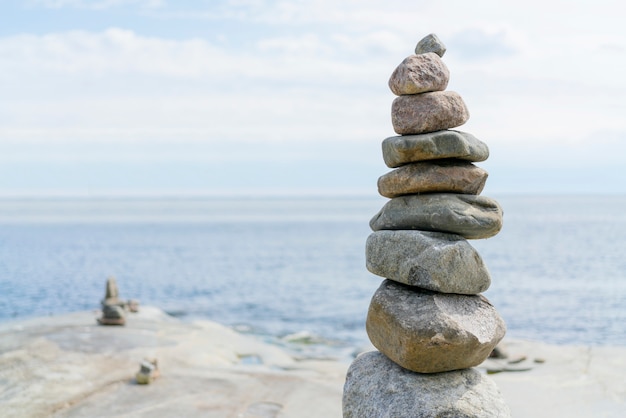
<point>443,176</point>
<point>436,261</point>
<point>470,216</point>
<point>376,387</point>
<point>429,332</point>
<point>400,150</point>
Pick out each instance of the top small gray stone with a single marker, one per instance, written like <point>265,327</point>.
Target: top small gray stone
<point>430,43</point>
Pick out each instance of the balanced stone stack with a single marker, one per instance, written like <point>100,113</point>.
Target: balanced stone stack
<point>428,319</point>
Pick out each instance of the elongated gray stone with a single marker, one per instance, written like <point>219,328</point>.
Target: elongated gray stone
<point>428,112</point>
<point>419,74</point>
<point>430,43</point>
<point>470,216</point>
<point>437,261</point>
<point>377,387</point>
<point>443,176</point>
<point>430,332</point>
<point>400,150</point>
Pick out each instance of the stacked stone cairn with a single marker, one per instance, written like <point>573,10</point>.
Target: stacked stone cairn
<point>428,319</point>
<point>113,308</point>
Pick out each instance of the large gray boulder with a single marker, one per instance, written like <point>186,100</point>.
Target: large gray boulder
<point>399,150</point>
<point>470,216</point>
<point>437,261</point>
<point>419,74</point>
<point>376,387</point>
<point>428,112</point>
<point>429,332</point>
<point>447,176</point>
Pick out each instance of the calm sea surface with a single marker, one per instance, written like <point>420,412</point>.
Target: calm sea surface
<point>294,268</point>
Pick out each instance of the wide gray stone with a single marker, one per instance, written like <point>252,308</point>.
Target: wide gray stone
<point>443,176</point>
<point>430,43</point>
<point>400,150</point>
<point>419,74</point>
<point>470,216</point>
<point>377,387</point>
<point>428,112</point>
<point>430,332</point>
<point>437,261</point>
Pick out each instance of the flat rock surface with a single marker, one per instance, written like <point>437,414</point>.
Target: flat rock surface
<point>438,176</point>
<point>42,370</point>
<point>399,150</point>
<point>437,261</point>
<point>68,366</point>
<point>470,216</point>
<point>428,112</point>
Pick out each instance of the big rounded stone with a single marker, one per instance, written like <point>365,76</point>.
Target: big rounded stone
<point>470,216</point>
<point>377,387</point>
<point>429,332</point>
<point>448,176</point>
<point>428,112</point>
<point>437,261</point>
<point>419,74</point>
<point>400,150</point>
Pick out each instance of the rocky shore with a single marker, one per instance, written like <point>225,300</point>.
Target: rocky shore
<point>69,366</point>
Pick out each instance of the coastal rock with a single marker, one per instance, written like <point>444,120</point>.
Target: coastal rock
<point>377,387</point>
<point>437,261</point>
<point>428,112</point>
<point>430,43</point>
<point>429,332</point>
<point>400,150</point>
<point>448,176</point>
<point>419,74</point>
<point>470,216</point>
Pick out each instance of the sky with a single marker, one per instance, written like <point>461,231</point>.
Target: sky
<point>220,97</point>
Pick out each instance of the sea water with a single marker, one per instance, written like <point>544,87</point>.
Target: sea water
<point>292,269</point>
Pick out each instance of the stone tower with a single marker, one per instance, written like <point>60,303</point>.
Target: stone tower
<point>428,318</point>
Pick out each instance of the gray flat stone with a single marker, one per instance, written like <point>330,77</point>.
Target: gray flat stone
<point>470,216</point>
<point>429,332</point>
<point>430,43</point>
<point>400,150</point>
<point>419,74</point>
<point>437,261</point>
<point>443,176</point>
<point>377,387</point>
<point>428,112</point>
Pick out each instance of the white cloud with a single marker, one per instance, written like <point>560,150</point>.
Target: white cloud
<point>94,4</point>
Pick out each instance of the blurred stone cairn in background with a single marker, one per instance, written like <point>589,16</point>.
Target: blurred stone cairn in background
<point>428,319</point>
<point>113,308</point>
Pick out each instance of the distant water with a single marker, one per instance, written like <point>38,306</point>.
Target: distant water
<point>294,268</point>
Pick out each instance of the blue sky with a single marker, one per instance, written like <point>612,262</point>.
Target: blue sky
<point>253,96</point>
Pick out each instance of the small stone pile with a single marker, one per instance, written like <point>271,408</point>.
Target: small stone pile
<point>428,317</point>
<point>113,308</point>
